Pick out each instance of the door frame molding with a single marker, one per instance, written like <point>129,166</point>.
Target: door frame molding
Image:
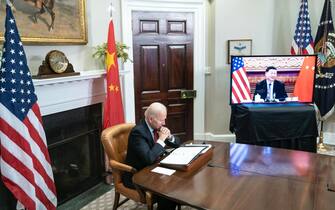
<point>197,7</point>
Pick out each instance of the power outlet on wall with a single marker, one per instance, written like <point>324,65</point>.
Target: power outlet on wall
<point>208,70</point>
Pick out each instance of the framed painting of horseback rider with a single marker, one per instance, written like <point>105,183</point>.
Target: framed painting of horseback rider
<point>48,21</point>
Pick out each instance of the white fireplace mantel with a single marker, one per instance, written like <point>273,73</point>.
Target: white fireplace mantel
<point>66,93</point>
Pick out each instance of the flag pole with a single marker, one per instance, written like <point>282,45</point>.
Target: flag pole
<point>108,170</point>
<point>110,10</point>
<point>321,146</point>
<point>9,3</point>
<point>300,35</point>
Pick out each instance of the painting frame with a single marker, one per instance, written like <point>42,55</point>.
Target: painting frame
<point>239,47</point>
<point>71,28</point>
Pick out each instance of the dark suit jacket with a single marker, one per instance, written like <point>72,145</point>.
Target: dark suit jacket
<point>142,151</point>
<point>278,89</point>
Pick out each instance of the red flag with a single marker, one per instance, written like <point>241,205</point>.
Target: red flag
<point>113,109</point>
<point>303,88</point>
<point>24,158</point>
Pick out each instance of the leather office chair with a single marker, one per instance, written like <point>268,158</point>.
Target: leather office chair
<point>115,142</point>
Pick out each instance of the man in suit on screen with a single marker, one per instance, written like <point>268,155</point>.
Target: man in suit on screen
<point>270,89</point>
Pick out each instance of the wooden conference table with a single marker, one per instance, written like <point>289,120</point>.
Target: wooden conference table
<point>248,177</point>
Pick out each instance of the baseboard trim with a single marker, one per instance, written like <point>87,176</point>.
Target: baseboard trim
<point>215,137</point>
<point>328,138</point>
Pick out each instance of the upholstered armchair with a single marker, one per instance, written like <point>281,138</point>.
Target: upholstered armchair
<point>115,142</point>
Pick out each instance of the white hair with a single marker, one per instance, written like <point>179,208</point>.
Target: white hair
<point>154,109</point>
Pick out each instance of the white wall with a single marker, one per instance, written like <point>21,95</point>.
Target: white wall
<point>238,19</point>
<point>81,55</point>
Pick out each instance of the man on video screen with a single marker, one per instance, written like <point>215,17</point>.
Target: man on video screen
<point>270,89</point>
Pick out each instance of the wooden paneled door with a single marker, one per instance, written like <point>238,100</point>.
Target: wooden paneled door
<point>163,66</point>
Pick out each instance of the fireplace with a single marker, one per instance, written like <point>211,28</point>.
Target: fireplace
<point>75,149</point>
<point>72,111</point>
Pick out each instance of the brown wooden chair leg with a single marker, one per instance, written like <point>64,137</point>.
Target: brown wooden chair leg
<point>179,207</point>
<point>148,199</point>
<point>116,200</point>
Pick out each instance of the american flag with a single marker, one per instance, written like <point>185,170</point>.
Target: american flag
<point>240,83</point>
<point>24,158</point>
<point>302,43</point>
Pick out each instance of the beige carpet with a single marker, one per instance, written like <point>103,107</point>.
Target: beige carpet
<point>105,202</point>
<point>330,150</point>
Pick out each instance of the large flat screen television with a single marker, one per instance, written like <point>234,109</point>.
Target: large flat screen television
<point>272,79</point>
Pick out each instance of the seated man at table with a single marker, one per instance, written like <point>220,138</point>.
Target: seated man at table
<point>270,89</point>
<point>146,144</point>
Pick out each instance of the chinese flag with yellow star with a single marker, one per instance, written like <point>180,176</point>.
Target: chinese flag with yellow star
<point>113,110</point>
<point>304,84</point>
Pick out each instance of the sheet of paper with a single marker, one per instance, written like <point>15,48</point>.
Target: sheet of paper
<point>208,146</point>
<point>182,155</point>
<point>164,171</point>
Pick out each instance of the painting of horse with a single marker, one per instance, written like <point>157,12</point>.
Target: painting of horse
<point>42,6</point>
<point>48,21</point>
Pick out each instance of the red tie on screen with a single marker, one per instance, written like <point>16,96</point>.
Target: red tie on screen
<point>156,136</point>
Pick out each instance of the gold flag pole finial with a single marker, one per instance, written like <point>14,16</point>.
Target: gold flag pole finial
<point>110,10</point>
<point>10,4</point>
<point>321,146</point>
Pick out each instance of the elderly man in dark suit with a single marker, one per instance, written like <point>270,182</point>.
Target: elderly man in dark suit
<point>270,89</point>
<point>146,144</point>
